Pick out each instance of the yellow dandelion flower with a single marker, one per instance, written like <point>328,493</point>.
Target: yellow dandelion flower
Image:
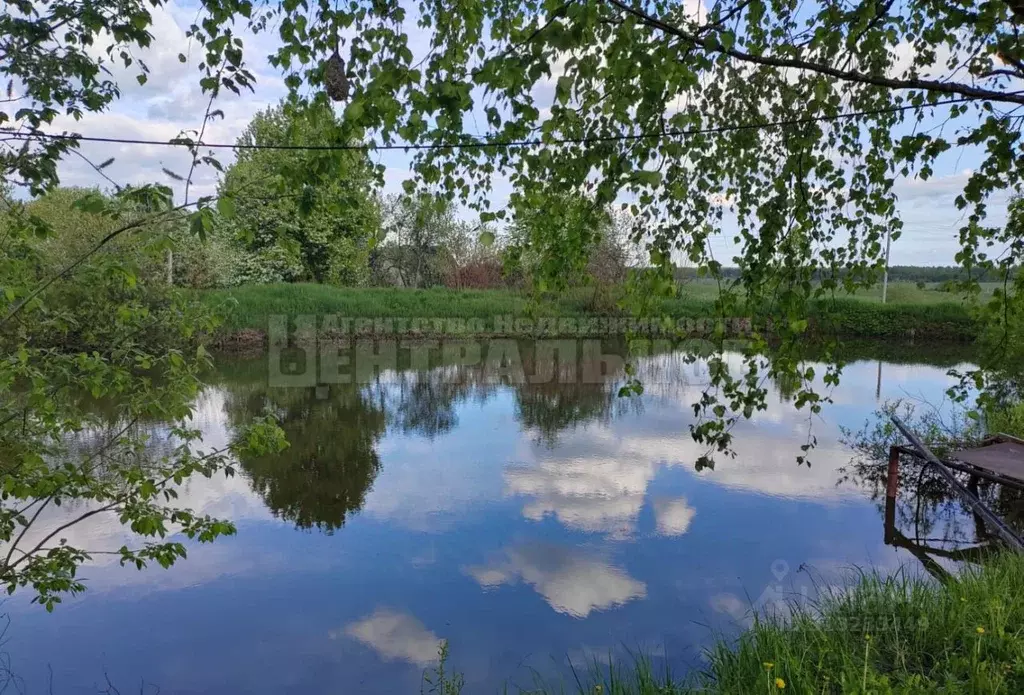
<point>980,630</point>
<point>768,665</point>
<point>780,684</point>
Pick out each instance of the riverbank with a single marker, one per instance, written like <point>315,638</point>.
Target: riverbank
<point>247,312</point>
<point>899,634</point>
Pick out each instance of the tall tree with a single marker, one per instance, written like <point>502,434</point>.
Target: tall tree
<point>418,235</point>
<point>320,231</point>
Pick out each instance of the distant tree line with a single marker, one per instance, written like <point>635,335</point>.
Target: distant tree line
<point>897,273</point>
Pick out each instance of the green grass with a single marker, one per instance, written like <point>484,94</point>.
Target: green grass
<point>885,635</point>
<point>921,315</point>
<point>897,293</point>
<point>249,306</point>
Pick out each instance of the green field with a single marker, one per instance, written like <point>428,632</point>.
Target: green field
<point>897,293</point>
<point>250,306</point>
<point>918,314</point>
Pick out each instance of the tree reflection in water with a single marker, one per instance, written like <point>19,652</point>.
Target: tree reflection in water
<point>323,477</point>
<point>335,430</point>
<point>331,461</point>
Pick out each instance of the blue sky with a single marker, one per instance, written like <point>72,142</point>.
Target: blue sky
<point>171,102</point>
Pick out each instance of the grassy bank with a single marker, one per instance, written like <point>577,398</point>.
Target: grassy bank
<point>890,635</point>
<point>248,309</point>
<point>882,635</point>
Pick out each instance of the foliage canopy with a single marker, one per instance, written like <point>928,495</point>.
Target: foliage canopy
<point>321,231</point>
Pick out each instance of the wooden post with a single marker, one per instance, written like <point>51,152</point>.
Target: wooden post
<point>981,533</point>
<point>892,484</point>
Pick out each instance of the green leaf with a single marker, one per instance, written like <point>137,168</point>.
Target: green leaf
<point>647,178</point>
<point>196,225</point>
<point>353,111</point>
<point>92,203</point>
<point>226,207</point>
<point>563,88</point>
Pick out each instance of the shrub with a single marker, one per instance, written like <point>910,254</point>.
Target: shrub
<point>478,274</point>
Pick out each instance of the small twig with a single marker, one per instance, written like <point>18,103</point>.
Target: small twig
<point>99,170</point>
<point>80,518</point>
<point>110,686</point>
<point>7,560</point>
<point>1001,71</point>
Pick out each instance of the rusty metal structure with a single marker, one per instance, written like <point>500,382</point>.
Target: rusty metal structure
<point>998,459</point>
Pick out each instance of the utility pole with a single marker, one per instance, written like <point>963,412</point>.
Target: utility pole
<point>170,267</point>
<point>885,275</point>
<point>885,291</point>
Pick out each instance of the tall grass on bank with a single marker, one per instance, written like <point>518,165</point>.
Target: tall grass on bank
<point>900,634</point>
<point>250,307</point>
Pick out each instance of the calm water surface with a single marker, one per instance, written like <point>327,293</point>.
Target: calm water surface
<point>530,525</point>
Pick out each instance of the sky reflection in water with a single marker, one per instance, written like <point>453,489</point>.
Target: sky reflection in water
<point>530,525</point>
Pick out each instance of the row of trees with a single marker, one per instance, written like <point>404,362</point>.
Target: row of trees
<point>342,231</point>
<point>399,240</point>
<point>897,273</point>
<point>270,227</point>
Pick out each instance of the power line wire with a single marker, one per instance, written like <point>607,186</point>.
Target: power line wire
<point>483,144</point>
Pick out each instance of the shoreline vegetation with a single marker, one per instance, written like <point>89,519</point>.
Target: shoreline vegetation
<point>901,633</point>
<point>441,312</point>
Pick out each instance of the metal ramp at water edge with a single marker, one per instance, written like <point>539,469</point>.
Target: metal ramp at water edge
<point>1002,458</point>
<point>998,459</point>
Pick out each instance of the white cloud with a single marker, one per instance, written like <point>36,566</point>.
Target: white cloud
<point>731,605</point>
<point>571,581</point>
<point>394,635</point>
<point>169,103</point>
<point>598,479</point>
<point>904,55</point>
<point>596,494</point>
<point>673,516</point>
<point>926,191</point>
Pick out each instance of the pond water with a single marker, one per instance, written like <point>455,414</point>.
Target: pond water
<point>532,525</point>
